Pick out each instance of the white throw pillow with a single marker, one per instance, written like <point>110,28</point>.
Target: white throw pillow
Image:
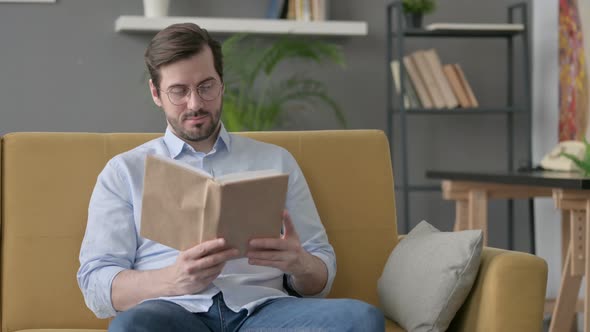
<point>428,277</point>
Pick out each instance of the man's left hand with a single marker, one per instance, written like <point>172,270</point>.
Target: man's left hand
<point>286,253</point>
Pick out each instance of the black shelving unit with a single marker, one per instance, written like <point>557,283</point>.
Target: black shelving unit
<point>397,114</point>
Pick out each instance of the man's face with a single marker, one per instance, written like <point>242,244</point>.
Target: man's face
<point>193,119</point>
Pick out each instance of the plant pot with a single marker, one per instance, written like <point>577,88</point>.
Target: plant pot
<point>155,8</point>
<point>413,20</point>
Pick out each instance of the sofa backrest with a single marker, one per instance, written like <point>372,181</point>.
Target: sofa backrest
<point>47,179</point>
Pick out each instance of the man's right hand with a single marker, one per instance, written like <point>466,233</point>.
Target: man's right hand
<point>193,271</point>
<point>197,267</point>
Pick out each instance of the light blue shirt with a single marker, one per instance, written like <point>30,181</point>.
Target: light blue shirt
<point>112,242</point>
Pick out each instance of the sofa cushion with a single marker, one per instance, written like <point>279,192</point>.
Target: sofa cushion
<point>428,276</point>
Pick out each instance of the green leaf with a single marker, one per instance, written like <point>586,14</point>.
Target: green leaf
<point>304,89</point>
<point>419,6</point>
<point>587,151</point>
<point>254,98</point>
<point>584,165</point>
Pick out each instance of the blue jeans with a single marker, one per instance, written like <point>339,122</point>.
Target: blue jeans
<point>282,314</point>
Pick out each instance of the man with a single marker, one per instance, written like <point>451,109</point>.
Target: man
<point>151,287</point>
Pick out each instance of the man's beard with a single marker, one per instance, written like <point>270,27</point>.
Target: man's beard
<point>204,133</point>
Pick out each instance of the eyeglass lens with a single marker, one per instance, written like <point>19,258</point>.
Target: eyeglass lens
<point>207,91</point>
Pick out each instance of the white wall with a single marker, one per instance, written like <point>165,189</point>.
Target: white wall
<point>545,125</point>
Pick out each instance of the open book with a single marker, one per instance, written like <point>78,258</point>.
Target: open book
<point>184,206</point>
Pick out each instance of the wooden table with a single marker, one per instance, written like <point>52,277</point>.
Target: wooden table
<point>571,194</point>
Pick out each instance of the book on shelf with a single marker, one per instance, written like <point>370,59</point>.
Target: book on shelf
<point>456,85</point>
<point>307,10</point>
<point>183,206</point>
<point>466,86</point>
<point>397,82</point>
<point>411,92</point>
<point>427,77</point>
<point>475,27</point>
<point>302,10</point>
<point>319,10</point>
<point>410,98</point>
<point>291,11</point>
<point>417,82</point>
<point>441,81</point>
<point>277,9</point>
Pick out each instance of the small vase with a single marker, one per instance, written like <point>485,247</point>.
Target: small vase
<point>413,20</point>
<point>155,8</point>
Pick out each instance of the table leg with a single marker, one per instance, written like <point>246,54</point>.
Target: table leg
<point>461,215</point>
<point>565,235</point>
<point>578,242</point>
<point>478,212</point>
<point>587,270</point>
<point>566,221</point>
<point>566,299</point>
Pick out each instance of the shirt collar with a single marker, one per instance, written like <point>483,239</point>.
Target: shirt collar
<point>176,145</point>
<point>223,138</point>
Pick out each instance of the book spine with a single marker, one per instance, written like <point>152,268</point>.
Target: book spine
<point>456,86</point>
<point>396,82</point>
<point>411,93</point>
<point>323,9</point>
<point>212,212</point>
<point>418,83</point>
<point>292,11</point>
<point>315,10</point>
<point>428,78</point>
<point>440,78</point>
<point>472,100</point>
<point>275,8</point>
<point>306,10</point>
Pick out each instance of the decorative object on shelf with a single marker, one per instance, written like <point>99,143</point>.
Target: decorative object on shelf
<point>305,10</point>
<point>583,164</point>
<point>155,8</point>
<point>414,11</point>
<point>254,98</point>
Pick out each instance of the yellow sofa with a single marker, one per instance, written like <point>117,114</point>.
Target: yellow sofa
<point>46,181</point>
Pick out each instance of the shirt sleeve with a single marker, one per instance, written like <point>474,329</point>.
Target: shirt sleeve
<point>307,222</point>
<point>110,241</point>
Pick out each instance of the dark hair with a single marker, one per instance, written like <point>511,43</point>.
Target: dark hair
<point>178,42</point>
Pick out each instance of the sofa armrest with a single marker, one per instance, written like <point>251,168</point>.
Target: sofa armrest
<point>508,294</point>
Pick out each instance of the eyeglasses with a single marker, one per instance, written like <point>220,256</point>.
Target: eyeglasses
<point>208,91</point>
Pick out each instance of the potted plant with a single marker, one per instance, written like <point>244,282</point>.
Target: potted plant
<point>255,99</point>
<point>414,10</point>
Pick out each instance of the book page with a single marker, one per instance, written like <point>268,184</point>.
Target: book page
<point>246,175</point>
<point>174,202</point>
<point>252,208</point>
<point>178,163</point>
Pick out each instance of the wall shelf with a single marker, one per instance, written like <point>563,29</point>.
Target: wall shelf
<point>142,24</point>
